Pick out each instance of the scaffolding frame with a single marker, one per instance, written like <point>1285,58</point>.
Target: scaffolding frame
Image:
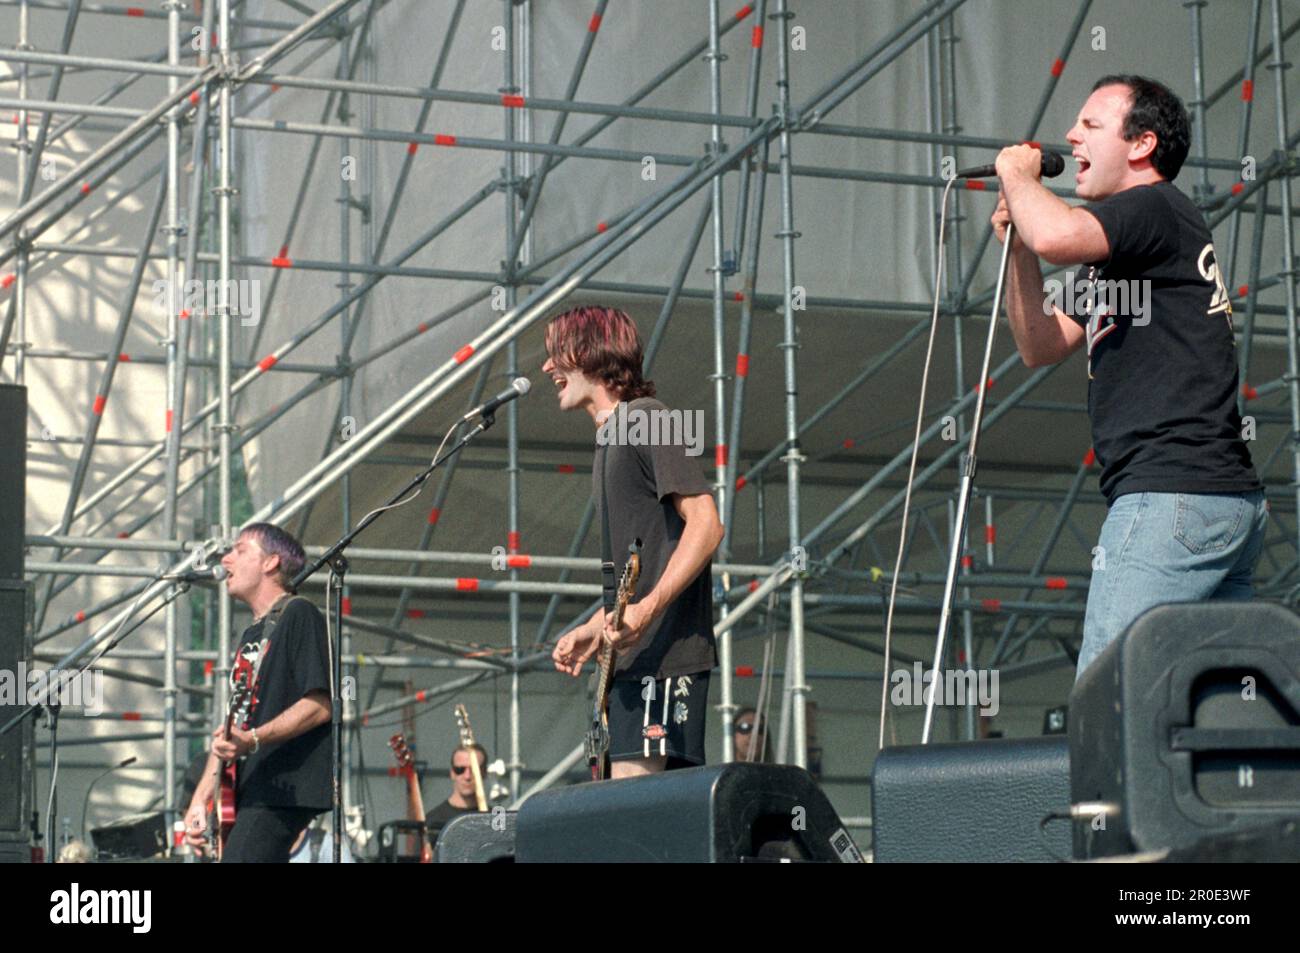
<point>797,589</point>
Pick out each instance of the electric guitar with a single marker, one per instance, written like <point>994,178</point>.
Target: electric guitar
<point>222,806</point>
<point>597,741</point>
<point>467,742</point>
<point>414,800</point>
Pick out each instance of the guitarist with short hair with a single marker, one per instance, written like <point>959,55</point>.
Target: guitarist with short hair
<point>282,748</point>
<point>658,498</point>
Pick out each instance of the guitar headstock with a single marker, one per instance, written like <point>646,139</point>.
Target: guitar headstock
<point>401,751</point>
<point>462,725</point>
<point>631,568</point>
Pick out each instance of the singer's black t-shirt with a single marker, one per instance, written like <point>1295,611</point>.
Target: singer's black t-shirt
<point>294,661</point>
<point>1162,388</point>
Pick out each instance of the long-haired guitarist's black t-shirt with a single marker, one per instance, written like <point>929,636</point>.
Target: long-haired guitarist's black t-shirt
<point>645,468</point>
<point>294,661</point>
<point>1162,371</point>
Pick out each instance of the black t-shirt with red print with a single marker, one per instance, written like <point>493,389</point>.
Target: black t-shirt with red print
<point>1162,389</point>
<point>293,661</point>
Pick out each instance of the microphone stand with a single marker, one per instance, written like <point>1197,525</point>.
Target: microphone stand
<point>50,702</point>
<point>338,564</point>
<point>968,466</point>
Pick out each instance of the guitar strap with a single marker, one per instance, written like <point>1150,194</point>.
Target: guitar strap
<point>608,574</point>
<point>268,626</point>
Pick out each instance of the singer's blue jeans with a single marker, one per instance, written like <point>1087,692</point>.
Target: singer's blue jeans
<point>1170,547</point>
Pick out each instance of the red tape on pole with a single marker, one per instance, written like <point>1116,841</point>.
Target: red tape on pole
<point>467,585</point>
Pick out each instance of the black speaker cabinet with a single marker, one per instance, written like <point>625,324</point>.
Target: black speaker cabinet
<point>1188,726</point>
<point>973,801</point>
<point>134,837</point>
<point>477,839</point>
<point>13,480</point>
<point>713,814</point>
<point>17,746</point>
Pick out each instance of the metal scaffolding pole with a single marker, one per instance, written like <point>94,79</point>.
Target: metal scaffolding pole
<point>794,688</point>
<point>1279,67</point>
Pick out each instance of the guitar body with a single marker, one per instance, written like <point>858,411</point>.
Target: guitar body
<point>221,809</point>
<point>225,808</point>
<point>597,740</point>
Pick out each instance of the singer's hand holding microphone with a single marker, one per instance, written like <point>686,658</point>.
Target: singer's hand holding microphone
<point>1022,161</point>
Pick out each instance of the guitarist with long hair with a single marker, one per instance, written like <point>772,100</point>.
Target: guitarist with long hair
<point>279,744</point>
<point>652,500</point>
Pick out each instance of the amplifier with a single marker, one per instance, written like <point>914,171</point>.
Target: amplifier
<point>973,801</point>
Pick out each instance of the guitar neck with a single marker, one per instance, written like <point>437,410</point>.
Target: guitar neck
<point>480,796</point>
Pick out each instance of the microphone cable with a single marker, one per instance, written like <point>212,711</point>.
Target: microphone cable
<point>911,472</point>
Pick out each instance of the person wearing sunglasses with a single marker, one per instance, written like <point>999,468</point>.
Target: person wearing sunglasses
<point>462,790</point>
<point>750,737</point>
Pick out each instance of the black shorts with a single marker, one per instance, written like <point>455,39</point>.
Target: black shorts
<point>670,721</point>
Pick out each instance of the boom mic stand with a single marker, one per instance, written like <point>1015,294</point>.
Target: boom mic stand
<point>338,564</point>
<point>968,466</point>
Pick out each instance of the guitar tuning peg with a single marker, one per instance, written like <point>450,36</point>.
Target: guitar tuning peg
<point>497,767</point>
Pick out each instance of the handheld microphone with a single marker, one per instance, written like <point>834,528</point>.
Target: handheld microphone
<point>518,387</point>
<point>1053,165</point>
<point>211,574</point>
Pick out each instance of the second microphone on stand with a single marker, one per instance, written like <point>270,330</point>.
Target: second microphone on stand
<point>518,387</point>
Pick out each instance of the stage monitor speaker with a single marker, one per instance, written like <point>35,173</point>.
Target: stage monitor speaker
<point>134,837</point>
<point>1188,726</point>
<point>973,801</point>
<point>713,814</point>
<point>13,478</point>
<point>477,839</point>
<point>17,748</point>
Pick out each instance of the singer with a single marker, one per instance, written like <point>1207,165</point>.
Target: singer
<point>654,492</point>
<point>1186,511</point>
<point>283,748</point>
